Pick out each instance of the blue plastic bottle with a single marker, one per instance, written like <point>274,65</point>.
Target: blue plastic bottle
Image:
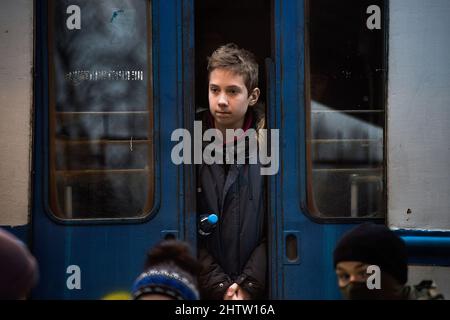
<point>207,224</point>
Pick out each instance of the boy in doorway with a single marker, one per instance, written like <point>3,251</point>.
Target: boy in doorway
<point>234,254</point>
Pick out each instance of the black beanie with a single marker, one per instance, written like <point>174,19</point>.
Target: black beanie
<point>376,245</point>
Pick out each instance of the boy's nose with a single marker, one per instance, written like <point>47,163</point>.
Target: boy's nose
<point>353,278</point>
<point>223,101</point>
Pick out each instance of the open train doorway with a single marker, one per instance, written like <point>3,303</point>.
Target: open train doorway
<point>248,24</point>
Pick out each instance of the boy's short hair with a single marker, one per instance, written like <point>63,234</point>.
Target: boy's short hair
<point>238,60</point>
<point>176,252</point>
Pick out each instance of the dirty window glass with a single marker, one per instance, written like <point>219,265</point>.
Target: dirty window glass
<point>100,109</point>
<point>346,108</point>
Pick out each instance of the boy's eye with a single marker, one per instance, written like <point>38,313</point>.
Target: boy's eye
<point>362,274</point>
<point>214,90</point>
<point>233,92</point>
<point>343,276</point>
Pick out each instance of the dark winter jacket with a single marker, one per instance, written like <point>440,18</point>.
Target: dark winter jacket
<point>236,251</point>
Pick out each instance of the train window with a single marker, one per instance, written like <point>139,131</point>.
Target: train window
<point>345,44</point>
<point>100,109</point>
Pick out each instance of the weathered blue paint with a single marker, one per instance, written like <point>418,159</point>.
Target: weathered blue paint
<point>314,276</point>
<point>110,255</point>
<point>187,111</point>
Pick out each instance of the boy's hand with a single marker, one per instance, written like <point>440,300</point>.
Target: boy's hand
<point>231,292</point>
<point>242,294</point>
<point>235,292</point>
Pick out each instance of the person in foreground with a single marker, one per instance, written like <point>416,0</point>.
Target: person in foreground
<point>170,274</point>
<point>18,268</point>
<point>370,248</point>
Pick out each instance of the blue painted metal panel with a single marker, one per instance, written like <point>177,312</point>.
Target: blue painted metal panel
<point>274,114</point>
<point>427,247</point>
<point>314,276</point>
<point>110,255</point>
<point>428,242</point>
<point>188,190</point>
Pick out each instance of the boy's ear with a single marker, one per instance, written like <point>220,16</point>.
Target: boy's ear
<point>253,98</point>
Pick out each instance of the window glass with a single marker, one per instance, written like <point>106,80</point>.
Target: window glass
<point>101,114</point>
<point>346,108</point>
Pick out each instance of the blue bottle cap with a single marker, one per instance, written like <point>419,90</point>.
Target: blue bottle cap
<point>212,218</point>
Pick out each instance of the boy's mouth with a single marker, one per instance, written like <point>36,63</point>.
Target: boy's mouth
<point>222,114</point>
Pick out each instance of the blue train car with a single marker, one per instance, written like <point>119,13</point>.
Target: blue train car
<point>93,90</point>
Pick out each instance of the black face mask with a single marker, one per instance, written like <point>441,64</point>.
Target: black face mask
<point>359,291</point>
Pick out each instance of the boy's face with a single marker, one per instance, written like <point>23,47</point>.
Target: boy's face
<point>352,280</point>
<point>229,98</point>
<point>351,271</point>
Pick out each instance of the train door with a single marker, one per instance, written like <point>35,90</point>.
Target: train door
<point>322,83</point>
<point>108,95</point>
<point>327,99</point>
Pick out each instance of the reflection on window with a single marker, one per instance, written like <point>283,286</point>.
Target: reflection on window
<point>346,110</point>
<point>101,116</point>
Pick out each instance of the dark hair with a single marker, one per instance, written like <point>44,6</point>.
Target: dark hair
<point>240,61</point>
<point>170,270</point>
<point>173,251</point>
